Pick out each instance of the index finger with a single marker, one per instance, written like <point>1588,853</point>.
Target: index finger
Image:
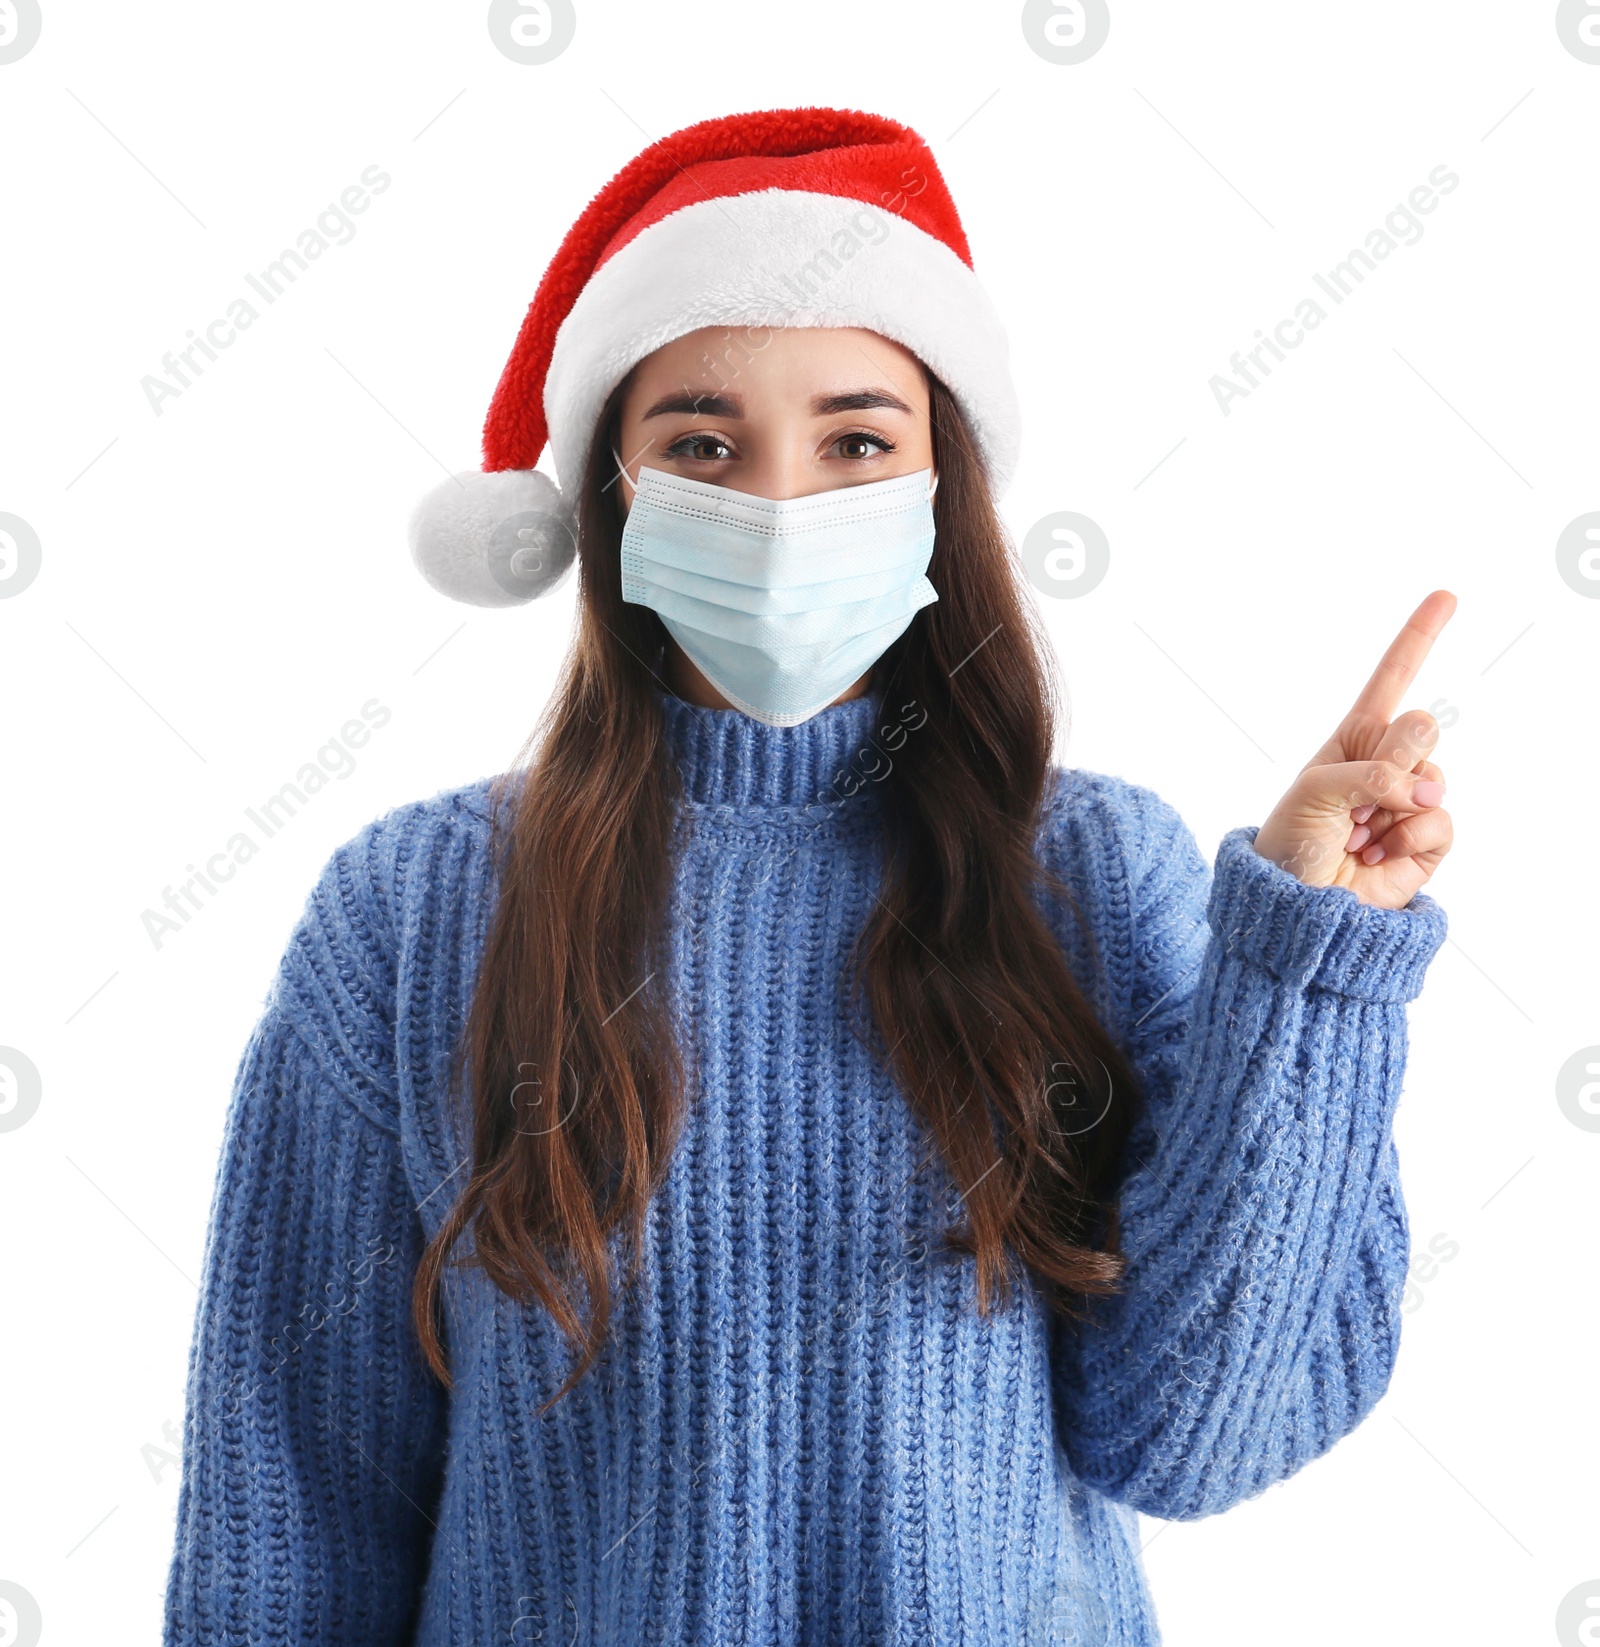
<point>1398,667</point>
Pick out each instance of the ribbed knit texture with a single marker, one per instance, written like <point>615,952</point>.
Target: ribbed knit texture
<point>801,1431</point>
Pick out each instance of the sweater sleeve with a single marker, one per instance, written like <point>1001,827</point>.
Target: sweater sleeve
<point>313,1430</point>
<point>1262,1215</point>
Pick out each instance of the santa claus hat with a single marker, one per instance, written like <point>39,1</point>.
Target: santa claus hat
<point>781,217</point>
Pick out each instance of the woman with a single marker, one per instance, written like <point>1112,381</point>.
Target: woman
<point>791,1164</point>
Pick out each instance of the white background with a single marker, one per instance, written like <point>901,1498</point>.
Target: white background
<point>225,584</point>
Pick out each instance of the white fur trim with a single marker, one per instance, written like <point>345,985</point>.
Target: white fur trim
<point>499,539</point>
<point>782,257</point>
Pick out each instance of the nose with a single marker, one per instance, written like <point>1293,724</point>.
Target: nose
<point>780,472</point>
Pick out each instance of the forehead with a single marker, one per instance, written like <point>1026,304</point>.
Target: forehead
<point>785,360</point>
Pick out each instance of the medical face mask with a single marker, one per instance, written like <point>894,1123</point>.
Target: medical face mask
<point>781,603</point>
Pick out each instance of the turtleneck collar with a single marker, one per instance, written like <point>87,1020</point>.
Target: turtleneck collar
<point>728,758</point>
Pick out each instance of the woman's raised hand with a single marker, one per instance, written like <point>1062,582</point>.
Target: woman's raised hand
<point>1365,811</point>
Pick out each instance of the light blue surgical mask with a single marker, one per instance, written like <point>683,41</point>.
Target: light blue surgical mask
<point>781,603</point>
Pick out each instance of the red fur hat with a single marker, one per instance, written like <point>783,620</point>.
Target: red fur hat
<point>781,217</point>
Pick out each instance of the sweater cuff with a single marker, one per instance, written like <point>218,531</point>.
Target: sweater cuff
<point>1319,937</point>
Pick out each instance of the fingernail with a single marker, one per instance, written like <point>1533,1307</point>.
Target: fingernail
<point>1359,836</point>
<point>1374,853</point>
<point>1429,792</point>
<point>1362,813</point>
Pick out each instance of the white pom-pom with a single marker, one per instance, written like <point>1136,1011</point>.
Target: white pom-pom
<point>496,539</point>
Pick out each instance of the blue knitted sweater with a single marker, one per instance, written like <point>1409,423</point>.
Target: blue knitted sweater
<point>801,1430</point>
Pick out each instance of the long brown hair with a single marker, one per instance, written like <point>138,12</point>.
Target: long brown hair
<point>967,986</point>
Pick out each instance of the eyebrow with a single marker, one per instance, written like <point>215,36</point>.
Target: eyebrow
<point>732,405</point>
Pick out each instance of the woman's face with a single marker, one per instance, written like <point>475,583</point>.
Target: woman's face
<point>780,412</point>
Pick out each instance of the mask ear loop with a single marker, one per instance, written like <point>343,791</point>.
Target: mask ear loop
<point>622,470</point>
<point>935,487</point>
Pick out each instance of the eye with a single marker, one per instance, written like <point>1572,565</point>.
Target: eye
<point>860,437</point>
<point>684,447</point>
